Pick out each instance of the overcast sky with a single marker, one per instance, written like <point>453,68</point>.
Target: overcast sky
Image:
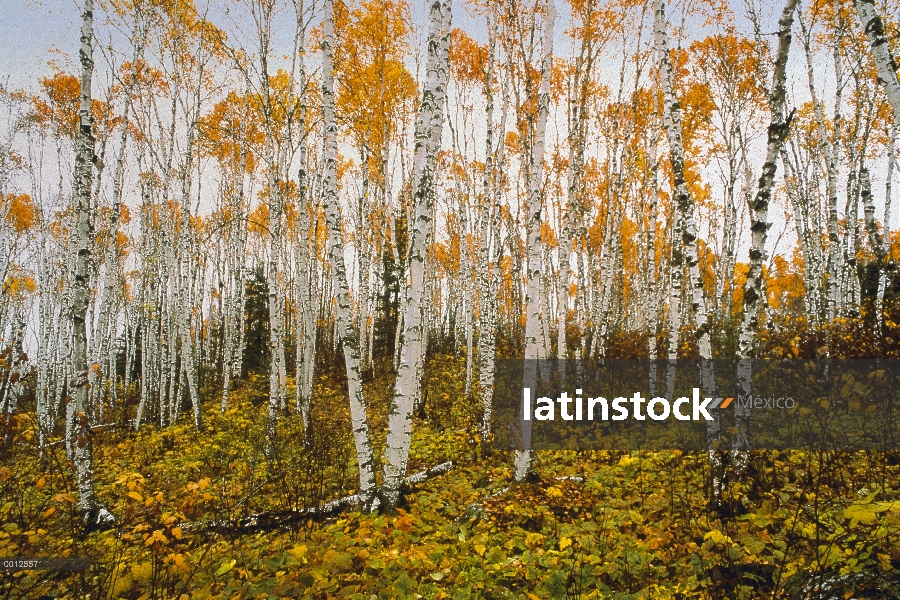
<point>33,32</point>
<point>29,31</point>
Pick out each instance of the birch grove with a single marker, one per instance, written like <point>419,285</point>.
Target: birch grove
<point>321,208</point>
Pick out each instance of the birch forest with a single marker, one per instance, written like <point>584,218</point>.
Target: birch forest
<point>261,258</point>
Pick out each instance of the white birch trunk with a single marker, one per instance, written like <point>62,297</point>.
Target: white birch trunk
<point>485,271</point>
<point>306,259</point>
<point>830,147</point>
<point>344,314</point>
<point>82,242</point>
<point>883,278</point>
<point>672,121</point>
<point>887,77</point>
<point>524,455</point>
<point>429,124</point>
<point>779,128</point>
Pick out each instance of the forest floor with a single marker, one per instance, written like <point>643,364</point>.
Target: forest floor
<point>590,524</point>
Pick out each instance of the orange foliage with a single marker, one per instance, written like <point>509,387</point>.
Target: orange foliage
<point>231,126</point>
<point>59,111</point>
<point>18,286</point>
<point>258,220</point>
<point>784,285</point>
<point>375,88</point>
<point>468,58</point>
<point>19,211</point>
<point>512,142</point>
<point>548,236</point>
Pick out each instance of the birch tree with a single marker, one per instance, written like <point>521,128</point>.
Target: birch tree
<point>886,69</point>
<point>687,228</point>
<point>429,125</point>
<point>343,315</point>
<point>532,220</point>
<point>306,251</point>
<point>95,514</point>
<point>779,127</point>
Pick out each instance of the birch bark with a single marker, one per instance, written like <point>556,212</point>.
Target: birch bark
<point>779,128</point>
<point>113,282</point>
<point>830,148</point>
<point>883,279</point>
<point>685,204</point>
<point>490,233</point>
<point>429,125</point>
<point>343,313</point>
<point>523,456</point>
<point>305,257</point>
<point>672,121</point>
<point>875,238</point>
<point>887,77</point>
<point>95,515</point>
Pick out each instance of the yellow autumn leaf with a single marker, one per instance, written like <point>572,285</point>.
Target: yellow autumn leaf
<point>554,492</point>
<point>564,543</point>
<point>627,461</point>
<point>717,537</point>
<point>142,571</point>
<point>156,536</point>
<point>135,496</point>
<point>225,567</point>
<point>298,551</point>
<point>866,512</point>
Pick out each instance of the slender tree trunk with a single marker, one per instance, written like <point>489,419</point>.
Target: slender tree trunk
<point>277,373</point>
<point>429,123</point>
<point>305,259</point>
<point>95,515</point>
<point>487,268</point>
<point>830,148</point>
<point>685,203</point>
<point>236,232</point>
<point>469,297</point>
<point>779,128</point>
<point>835,263</point>
<point>344,314</point>
<point>524,455</point>
<point>883,278</point>
<point>887,77</point>
<point>875,237</point>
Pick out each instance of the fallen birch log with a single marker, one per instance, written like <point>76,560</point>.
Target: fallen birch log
<point>285,519</point>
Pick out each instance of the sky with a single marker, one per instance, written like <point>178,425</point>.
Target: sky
<point>33,33</point>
